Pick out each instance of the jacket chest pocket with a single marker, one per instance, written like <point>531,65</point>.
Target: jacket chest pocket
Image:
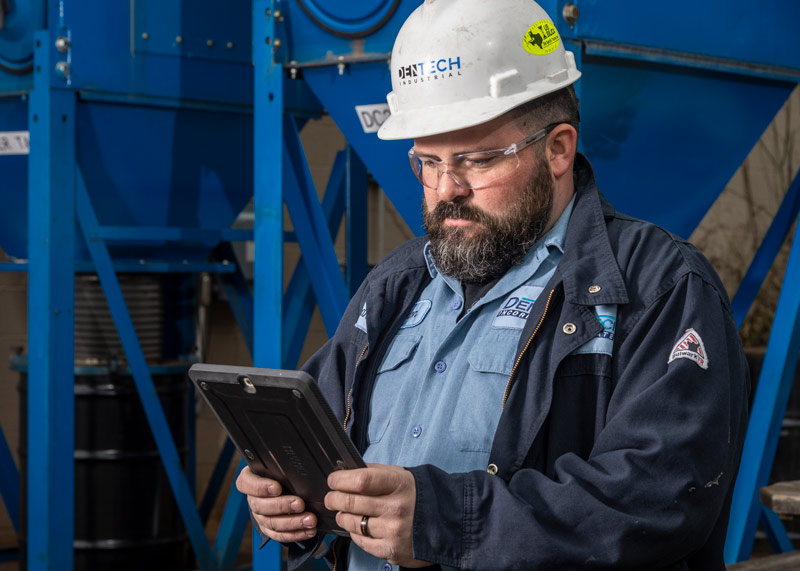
<point>581,393</point>
<point>389,384</point>
<point>479,403</point>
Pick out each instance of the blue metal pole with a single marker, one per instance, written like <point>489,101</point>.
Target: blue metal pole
<point>356,221</point>
<point>268,225</point>
<point>776,532</point>
<point>770,246</point>
<point>769,408</point>
<point>51,319</point>
<point>299,299</point>
<point>9,481</point>
<point>310,225</point>
<point>231,531</point>
<point>216,480</point>
<point>144,383</point>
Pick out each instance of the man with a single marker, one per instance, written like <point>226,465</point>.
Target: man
<point>541,382</point>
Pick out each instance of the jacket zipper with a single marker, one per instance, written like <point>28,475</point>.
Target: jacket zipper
<point>333,548</point>
<point>524,349</point>
<point>349,396</point>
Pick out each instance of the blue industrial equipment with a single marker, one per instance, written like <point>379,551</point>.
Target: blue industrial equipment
<point>148,144</point>
<point>142,127</point>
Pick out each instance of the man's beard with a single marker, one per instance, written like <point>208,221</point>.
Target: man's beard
<point>497,242</point>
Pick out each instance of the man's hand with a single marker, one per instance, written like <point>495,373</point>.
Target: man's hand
<point>282,518</point>
<point>387,494</point>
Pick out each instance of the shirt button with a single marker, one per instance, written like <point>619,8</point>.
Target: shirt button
<point>387,567</point>
<point>416,431</point>
<point>456,304</point>
<point>440,366</point>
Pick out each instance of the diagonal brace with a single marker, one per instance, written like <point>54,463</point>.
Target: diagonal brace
<point>141,374</point>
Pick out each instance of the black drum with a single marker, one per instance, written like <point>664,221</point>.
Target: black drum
<point>125,513</point>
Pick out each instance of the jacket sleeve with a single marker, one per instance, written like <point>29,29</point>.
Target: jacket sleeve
<point>657,478</point>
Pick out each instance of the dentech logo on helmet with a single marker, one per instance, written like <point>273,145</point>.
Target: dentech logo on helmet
<point>429,71</point>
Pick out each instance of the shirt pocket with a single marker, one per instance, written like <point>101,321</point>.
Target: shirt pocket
<point>480,398</point>
<point>389,384</point>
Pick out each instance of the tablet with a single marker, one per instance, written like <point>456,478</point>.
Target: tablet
<point>283,427</point>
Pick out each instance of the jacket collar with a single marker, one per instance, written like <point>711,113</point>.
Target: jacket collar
<point>588,259</point>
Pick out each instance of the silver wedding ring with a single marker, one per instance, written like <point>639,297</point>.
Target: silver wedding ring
<point>364,529</point>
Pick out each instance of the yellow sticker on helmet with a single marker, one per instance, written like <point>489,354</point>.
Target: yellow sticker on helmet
<point>541,38</point>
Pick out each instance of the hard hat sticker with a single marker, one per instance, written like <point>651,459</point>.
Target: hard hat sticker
<point>541,38</point>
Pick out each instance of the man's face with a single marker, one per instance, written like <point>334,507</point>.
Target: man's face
<point>477,235</point>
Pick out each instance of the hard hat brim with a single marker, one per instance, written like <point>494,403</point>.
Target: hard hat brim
<point>457,115</point>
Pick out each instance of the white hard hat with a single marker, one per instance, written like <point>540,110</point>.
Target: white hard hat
<point>459,63</point>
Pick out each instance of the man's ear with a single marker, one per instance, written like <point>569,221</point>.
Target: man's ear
<point>562,144</point>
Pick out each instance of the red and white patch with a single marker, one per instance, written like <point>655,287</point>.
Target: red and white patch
<point>691,347</point>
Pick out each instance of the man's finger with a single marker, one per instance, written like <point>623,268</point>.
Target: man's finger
<point>367,481</point>
<point>352,523</point>
<point>282,505</point>
<point>350,503</point>
<point>287,529</point>
<point>252,485</point>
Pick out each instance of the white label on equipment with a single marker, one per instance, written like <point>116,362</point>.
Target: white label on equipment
<point>14,143</point>
<point>372,116</point>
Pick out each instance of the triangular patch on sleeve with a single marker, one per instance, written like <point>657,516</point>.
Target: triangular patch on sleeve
<point>690,346</point>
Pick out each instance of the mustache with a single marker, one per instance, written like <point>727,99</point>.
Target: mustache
<point>458,210</point>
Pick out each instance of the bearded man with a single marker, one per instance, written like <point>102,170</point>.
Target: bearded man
<point>540,382</point>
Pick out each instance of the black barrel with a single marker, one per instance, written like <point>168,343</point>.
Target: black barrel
<point>125,513</point>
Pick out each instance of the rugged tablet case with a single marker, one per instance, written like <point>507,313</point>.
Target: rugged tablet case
<point>283,428</point>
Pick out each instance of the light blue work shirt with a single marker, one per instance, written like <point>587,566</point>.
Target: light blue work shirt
<point>439,390</point>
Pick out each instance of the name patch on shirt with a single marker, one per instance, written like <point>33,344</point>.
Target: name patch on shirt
<point>362,319</point>
<point>604,342</point>
<point>516,308</point>
<point>418,313</point>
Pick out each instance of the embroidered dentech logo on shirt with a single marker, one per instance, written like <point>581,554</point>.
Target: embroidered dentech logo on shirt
<point>691,347</point>
<point>516,309</point>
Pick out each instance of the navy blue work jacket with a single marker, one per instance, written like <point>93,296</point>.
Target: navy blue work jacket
<point>598,462</point>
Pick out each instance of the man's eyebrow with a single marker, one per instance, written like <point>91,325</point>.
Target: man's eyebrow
<point>425,155</point>
<point>479,149</point>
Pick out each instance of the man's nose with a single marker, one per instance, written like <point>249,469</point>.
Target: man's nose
<point>449,189</point>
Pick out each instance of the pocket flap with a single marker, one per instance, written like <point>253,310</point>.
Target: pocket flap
<point>400,351</point>
<point>496,355</point>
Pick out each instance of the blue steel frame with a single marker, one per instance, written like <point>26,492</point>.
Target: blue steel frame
<point>279,323</point>
<point>772,391</point>
<point>51,416</point>
<point>57,186</point>
<point>268,236</point>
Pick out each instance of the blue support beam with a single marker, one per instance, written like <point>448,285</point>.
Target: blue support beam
<point>231,531</point>
<point>776,532</point>
<point>268,119</point>
<point>144,382</point>
<point>357,228</point>
<point>216,480</point>
<point>299,300</point>
<point>769,408</point>
<point>51,320</point>
<point>765,256</point>
<point>239,297</point>
<point>9,482</point>
<point>145,234</point>
<point>310,226</point>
